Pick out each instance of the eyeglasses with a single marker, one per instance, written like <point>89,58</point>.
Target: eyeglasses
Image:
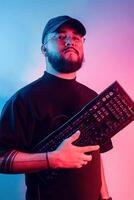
<point>63,38</point>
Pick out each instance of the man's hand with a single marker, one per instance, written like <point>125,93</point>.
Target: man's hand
<point>68,155</point>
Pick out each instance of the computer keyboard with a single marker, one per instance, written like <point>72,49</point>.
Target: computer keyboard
<point>99,120</point>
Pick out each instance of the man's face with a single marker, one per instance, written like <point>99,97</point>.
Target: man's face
<point>64,49</point>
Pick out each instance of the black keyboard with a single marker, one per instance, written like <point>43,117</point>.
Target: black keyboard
<point>99,120</point>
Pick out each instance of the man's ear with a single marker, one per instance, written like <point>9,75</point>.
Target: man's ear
<point>43,49</point>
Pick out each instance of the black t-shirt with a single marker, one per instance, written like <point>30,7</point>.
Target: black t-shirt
<point>33,113</point>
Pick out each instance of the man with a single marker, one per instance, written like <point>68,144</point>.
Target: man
<point>38,109</point>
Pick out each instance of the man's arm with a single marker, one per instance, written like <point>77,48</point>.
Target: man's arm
<point>66,155</point>
<point>104,189</point>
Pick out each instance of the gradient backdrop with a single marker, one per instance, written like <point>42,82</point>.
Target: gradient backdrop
<point>109,50</point>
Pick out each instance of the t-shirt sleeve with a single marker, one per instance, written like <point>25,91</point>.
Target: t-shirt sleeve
<point>14,129</point>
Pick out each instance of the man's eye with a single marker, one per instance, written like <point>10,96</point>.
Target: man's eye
<point>76,38</point>
<point>61,37</point>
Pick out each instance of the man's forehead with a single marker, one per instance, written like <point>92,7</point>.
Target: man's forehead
<point>67,28</point>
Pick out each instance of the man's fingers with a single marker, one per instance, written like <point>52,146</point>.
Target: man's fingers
<point>89,148</point>
<point>84,149</point>
<point>86,157</point>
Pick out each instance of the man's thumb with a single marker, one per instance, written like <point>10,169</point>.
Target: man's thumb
<point>75,136</point>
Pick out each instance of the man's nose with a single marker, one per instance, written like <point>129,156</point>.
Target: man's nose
<point>69,41</point>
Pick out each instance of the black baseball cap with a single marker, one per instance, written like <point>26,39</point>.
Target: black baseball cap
<point>54,23</point>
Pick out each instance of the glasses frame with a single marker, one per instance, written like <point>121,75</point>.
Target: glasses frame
<point>63,37</point>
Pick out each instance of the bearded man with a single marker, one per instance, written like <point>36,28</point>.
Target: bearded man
<point>36,110</point>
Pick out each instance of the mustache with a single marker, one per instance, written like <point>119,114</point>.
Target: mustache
<point>70,48</point>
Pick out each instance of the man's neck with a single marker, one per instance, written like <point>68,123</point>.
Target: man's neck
<point>61,75</point>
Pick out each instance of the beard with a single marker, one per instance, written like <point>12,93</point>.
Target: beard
<point>63,65</point>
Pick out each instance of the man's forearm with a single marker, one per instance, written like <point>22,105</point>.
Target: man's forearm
<point>19,162</point>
